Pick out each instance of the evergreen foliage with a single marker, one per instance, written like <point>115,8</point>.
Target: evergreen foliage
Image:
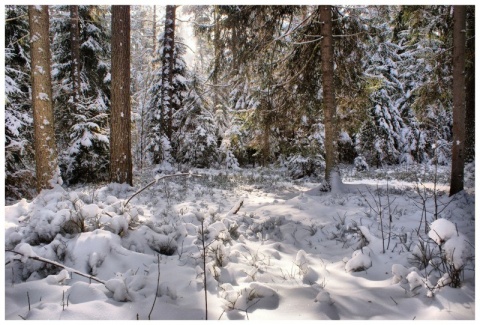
<point>82,124</point>
<point>250,93</point>
<point>195,138</point>
<point>19,160</point>
<point>159,146</point>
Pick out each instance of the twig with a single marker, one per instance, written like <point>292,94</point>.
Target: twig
<point>15,18</point>
<point>204,271</point>
<point>394,300</point>
<point>44,260</point>
<point>158,285</point>
<point>236,207</point>
<point>156,180</point>
<point>246,309</point>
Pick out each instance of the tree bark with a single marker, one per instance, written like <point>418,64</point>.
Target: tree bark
<point>75,49</point>
<point>458,146</point>
<point>154,29</point>
<point>120,124</point>
<point>47,172</point>
<point>470,86</point>
<point>168,65</point>
<point>329,108</point>
<point>216,48</point>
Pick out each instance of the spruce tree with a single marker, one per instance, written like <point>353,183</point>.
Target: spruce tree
<point>82,92</point>
<point>195,138</point>
<point>167,95</point>
<point>19,159</point>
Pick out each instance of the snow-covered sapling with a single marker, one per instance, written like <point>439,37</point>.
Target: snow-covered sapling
<point>201,218</point>
<point>454,251</point>
<point>379,209</point>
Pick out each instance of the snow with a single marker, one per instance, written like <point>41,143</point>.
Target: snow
<point>288,252</point>
<point>456,251</point>
<point>58,279</point>
<point>43,96</point>
<point>360,261</point>
<point>441,230</point>
<point>26,251</point>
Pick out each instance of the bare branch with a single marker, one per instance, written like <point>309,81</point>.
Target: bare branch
<point>156,180</point>
<point>44,260</point>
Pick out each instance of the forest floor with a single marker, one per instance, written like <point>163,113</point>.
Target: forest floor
<point>275,248</point>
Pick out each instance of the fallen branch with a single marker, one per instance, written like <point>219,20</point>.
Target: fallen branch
<point>236,207</point>
<point>156,180</point>
<point>45,260</point>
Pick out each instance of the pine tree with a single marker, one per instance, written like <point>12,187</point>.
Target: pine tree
<point>47,171</point>
<point>144,43</point>
<point>329,106</point>
<point>424,32</point>
<point>120,130</point>
<point>195,138</point>
<point>458,147</point>
<point>407,105</point>
<point>19,158</point>
<point>82,93</point>
<point>470,86</point>
<point>167,92</point>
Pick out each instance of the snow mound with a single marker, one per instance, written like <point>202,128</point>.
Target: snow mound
<point>441,230</point>
<point>400,273</point>
<point>456,251</point>
<point>26,251</point>
<point>119,289</point>
<point>255,296</point>
<point>60,278</point>
<point>81,292</point>
<point>90,211</point>
<point>360,261</point>
<point>415,280</point>
<point>455,248</point>
<point>301,261</point>
<point>323,297</point>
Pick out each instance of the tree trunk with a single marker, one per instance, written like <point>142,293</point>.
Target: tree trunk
<point>154,29</point>
<point>216,48</point>
<point>470,87</point>
<point>75,49</point>
<point>120,135</point>
<point>329,108</point>
<point>47,172</point>
<point>458,147</point>
<point>168,65</point>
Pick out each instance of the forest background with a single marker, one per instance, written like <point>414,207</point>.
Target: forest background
<point>233,86</point>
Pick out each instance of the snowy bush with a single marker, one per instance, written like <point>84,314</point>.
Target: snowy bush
<point>454,250</point>
<point>360,163</point>
<point>346,148</point>
<point>300,166</point>
<point>306,158</point>
<point>269,228</point>
<point>360,260</point>
<point>197,141</point>
<point>447,252</point>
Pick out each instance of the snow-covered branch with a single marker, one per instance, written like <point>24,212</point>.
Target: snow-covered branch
<point>45,260</point>
<point>156,180</point>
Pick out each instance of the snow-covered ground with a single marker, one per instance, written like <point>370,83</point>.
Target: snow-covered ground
<point>289,252</point>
